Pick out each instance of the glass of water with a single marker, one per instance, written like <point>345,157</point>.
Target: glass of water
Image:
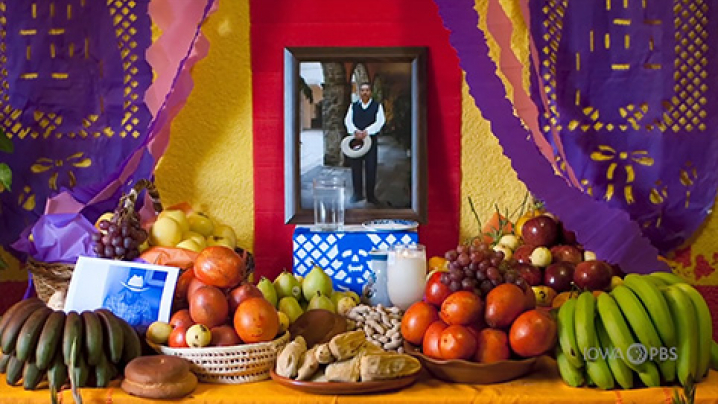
<point>329,203</point>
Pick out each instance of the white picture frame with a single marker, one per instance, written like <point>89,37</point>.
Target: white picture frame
<point>138,293</point>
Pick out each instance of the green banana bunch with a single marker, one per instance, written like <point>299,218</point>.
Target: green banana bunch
<point>656,306</point>
<point>641,325</point>
<point>570,374</point>
<point>621,372</point>
<point>686,318</point>
<point>705,328</point>
<point>585,313</point>
<point>567,334</point>
<point>619,332</point>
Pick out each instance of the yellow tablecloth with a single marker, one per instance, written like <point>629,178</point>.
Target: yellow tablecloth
<point>542,386</point>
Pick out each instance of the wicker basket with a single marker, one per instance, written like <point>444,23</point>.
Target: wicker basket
<point>49,277</point>
<point>230,364</point>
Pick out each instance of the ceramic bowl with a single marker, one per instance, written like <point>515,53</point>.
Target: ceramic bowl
<point>463,371</point>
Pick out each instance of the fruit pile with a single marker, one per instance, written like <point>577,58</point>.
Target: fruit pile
<point>655,327</point>
<point>122,236</point>
<point>294,295</point>
<point>462,325</point>
<point>189,229</point>
<point>537,252</point>
<point>88,348</point>
<point>222,308</point>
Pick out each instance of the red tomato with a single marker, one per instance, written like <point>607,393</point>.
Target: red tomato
<point>492,346</point>
<point>177,338</point>
<point>432,337</point>
<point>256,320</point>
<point>436,292</point>
<point>533,333</point>
<point>416,320</point>
<point>181,319</point>
<point>457,342</point>
<point>462,308</point>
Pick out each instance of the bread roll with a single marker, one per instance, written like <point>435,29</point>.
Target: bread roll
<point>159,377</point>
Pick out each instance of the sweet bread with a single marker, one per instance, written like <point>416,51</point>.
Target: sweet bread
<point>158,377</point>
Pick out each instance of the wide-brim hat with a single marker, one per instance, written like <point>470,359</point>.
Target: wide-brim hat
<point>351,150</point>
<point>135,284</point>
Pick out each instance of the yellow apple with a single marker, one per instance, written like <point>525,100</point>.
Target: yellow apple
<point>159,332</point>
<point>225,231</point>
<point>196,237</point>
<point>178,216</point>
<point>189,244</point>
<point>165,232</point>
<point>223,241</point>
<point>200,223</point>
<point>198,336</point>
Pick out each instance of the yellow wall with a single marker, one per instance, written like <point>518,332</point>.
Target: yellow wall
<point>209,161</point>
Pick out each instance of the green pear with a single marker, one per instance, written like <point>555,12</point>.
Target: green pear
<point>287,285</point>
<point>317,281</point>
<point>267,289</point>
<point>345,305</point>
<point>336,296</point>
<point>290,306</point>
<point>320,301</point>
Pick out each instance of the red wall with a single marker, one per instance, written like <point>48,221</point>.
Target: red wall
<point>278,24</point>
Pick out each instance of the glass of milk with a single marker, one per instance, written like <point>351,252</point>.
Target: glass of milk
<point>406,274</point>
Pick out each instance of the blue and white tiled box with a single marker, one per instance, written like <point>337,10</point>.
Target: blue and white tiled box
<point>344,256</point>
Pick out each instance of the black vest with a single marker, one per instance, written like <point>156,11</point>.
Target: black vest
<point>364,117</point>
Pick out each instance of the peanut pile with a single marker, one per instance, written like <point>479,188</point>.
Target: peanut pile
<point>381,325</point>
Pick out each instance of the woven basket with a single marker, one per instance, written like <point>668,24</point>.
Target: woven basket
<point>230,364</point>
<point>49,277</point>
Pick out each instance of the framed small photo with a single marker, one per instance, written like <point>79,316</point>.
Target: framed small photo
<point>356,114</point>
<point>136,292</point>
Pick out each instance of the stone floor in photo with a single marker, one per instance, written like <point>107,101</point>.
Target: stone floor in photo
<point>393,184</point>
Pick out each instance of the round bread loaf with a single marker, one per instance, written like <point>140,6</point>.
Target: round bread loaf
<point>159,376</point>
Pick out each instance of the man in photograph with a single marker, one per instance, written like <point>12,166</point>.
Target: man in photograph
<point>129,305</point>
<point>365,117</point>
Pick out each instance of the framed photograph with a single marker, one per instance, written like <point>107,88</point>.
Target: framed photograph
<point>136,292</point>
<point>357,115</point>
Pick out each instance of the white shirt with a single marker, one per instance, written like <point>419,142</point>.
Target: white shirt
<point>372,129</point>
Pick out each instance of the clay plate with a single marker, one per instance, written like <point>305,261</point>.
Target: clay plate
<point>341,388</point>
<point>461,371</point>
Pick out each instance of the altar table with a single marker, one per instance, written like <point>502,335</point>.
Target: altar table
<point>542,386</point>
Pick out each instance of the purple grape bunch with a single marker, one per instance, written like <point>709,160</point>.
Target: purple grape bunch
<point>120,237</point>
<point>477,268</point>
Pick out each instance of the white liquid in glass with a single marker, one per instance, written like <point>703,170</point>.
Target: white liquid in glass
<point>406,276</point>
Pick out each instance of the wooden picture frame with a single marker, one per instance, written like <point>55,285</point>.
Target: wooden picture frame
<point>313,129</point>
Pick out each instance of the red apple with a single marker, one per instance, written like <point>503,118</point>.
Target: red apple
<point>242,293</point>
<point>559,276</point>
<point>531,274</point>
<point>540,231</point>
<point>593,275</point>
<point>566,236</point>
<point>567,253</point>
<point>522,255</point>
<point>436,291</point>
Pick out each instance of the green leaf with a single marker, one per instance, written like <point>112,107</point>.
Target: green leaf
<point>5,142</point>
<point>5,176</point>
